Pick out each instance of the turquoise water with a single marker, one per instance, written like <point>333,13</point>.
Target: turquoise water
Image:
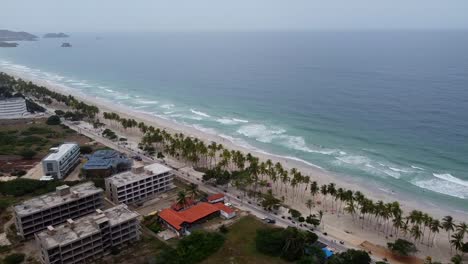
<point>389,108</point>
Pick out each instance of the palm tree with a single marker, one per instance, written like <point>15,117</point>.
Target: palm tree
<point>309,205</point>
<point>449,226</point>
<point>324,192</point>
<point>457,259</point>
<point>457,241</point>
<point>192,190</point>
<point>182,198</point>
<point>314,189</point>
<point>416,232</point>
<point>462,229</point>
<point>434,226</point>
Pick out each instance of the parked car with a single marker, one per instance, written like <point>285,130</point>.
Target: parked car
<point>269,221</point>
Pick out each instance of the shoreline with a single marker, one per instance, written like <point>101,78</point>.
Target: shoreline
<point>372,190</point>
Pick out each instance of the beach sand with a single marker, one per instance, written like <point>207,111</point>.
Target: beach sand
<point>334,225</point>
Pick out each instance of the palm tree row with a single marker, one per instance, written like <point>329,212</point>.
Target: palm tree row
<point>253,175</point>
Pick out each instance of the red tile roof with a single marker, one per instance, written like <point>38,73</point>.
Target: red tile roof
<point>215,197</point>
<point>224,208</point>
<point>191,215</point>
<point>188,202</point>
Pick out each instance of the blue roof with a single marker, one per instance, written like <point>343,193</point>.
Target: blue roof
<point>105,159</point>
<point>328,253</point>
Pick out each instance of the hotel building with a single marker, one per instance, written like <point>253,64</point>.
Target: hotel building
<point>14,107</point>
<point>54,208</point>
<point>86,239</point>
<point>61,160</point>
<point>139,184</point>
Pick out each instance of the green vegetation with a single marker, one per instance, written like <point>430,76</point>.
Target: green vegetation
<point>28,154</point>
<point>289,244</point>
<point>193,248</point>
<point>239,246</point>
<point>53,120</point>
<point>15,258</point>
<point>86,149</point>
<point>20,187</point>
<point>402,247</point>
<point>109,134</point>
<point>350,256</point>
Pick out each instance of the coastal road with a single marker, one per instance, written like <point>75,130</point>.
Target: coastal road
<point>252,208</point>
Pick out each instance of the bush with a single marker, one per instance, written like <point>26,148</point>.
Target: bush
<point>294,213</point>
<point>19,187</point>
<point>53,120</point>
<point>193,248</point>
<point>59,112</point>
<point>115,251</point>
<point>223,229</point>
<point>14,258</point>
<point>28,154</point>
<point>86,149</point>
<point>402,247</point>
<point>350,256</point>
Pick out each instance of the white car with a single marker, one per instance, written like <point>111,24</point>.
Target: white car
<point>228,204</point>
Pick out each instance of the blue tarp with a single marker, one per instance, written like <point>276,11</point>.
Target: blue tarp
<point>328,253</point>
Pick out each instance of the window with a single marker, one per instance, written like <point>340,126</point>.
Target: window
<point>50,167</point>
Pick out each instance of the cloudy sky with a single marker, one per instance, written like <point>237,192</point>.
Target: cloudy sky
<point>233,15</point>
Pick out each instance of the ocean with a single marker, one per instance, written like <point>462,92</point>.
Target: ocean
<point>389,108</point>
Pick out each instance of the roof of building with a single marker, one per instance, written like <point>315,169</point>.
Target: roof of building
<point>105,159</point>
<point>128,177</point>
<point>188,202</point>
<point>191,215</point>
<point>12,99</point>
<point>60,151</point>
<point>224,208</point>
<point>84,226</point>
<point>53,199</point>
<point>215,197</point>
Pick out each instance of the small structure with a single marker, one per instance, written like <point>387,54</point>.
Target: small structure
<point>90,237</point>
<point>54,208</point>
<point>14,107</point>
<point>140,184</point>
<point>216,198</point>
<point>104,163</point>
<point>61,160</point>
<point>181,221</point>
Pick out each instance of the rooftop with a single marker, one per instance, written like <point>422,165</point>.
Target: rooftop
<point>85,226</point>
<point>53,199</point>
<point>215,197</point>
<point>12,99</point>
<point>191,215</point>
<point>137,174</point>
<point>60,151</point>
<point>105,159</point>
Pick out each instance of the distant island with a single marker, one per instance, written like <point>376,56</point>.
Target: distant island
<point>8,44</point>
<point>66,45</point>
<point>7,35</point>
<point>56,35</point>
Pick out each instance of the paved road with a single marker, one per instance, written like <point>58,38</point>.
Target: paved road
<point>252,208</point>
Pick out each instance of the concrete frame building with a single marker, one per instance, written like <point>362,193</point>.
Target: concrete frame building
<point>61,160</point>
<point>14,107</point>
<point>104,163</point>
<point>54,208</point>
<point>89,237</point>
<point>139,184</point>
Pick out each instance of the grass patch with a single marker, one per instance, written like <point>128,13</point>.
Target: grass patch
<point>239,246</point>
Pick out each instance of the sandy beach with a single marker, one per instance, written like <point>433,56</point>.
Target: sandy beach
<point>342,226</point>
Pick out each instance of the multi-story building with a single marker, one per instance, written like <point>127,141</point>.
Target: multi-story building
<point>90,237</point>
<point>139,184</point>
<point>61,160</point>
<point>14,107</point>
<point>54,208</point>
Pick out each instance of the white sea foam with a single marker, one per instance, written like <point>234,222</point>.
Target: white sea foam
<point>443,187</point>
<point>450,178</point>
<point>415,167</point>
<point>110,90</point>
<point>398,170</point>
<point>167,106</point>
<point>226,121</point>
<point>260,132</point>
<point>240,120</point>
<point>141,101</point>
<point>204,129</point>
<point>199,113</point>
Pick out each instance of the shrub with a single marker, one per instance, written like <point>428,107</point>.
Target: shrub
<point>350,256</point>
<point>53,120</point>
<point>294,213</point>
<point>115,251</point>
<point>402,247</point>
<point>86,149</point>
<point>28,154</point>
<point>14,258</point>
<point>59,112</point>
<point>223,229</point>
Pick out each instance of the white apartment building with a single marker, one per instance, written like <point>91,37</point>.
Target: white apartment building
<point>54,208</point>
<point>86,239</point>
<point>14,107</point>
<point>61,160</point>
<point>139,184</point>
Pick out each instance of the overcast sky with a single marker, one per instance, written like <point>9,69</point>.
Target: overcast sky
<point>233,15</point>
